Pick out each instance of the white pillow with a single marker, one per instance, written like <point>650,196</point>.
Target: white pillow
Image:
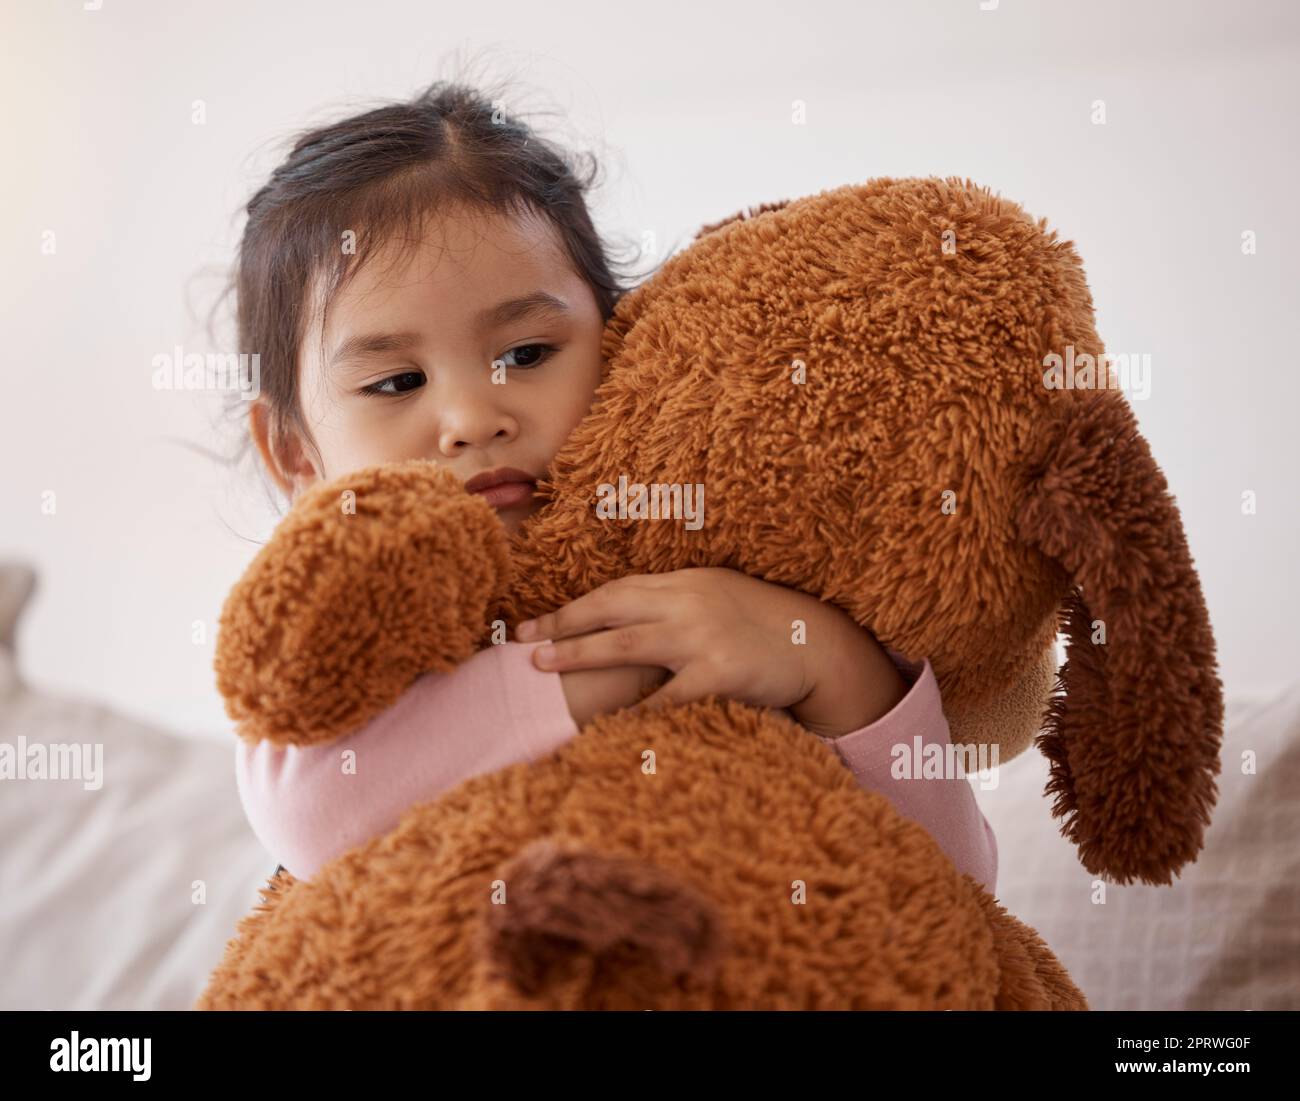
<point>1224,935</point>
<point>97,891</point>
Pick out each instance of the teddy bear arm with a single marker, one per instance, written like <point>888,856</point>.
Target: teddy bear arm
<point>369,582</point>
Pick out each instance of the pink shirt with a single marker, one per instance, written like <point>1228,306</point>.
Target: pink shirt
<point>497,709</point>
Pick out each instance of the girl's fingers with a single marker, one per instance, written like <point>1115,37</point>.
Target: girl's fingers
<point>688,685</point>
<point>638,644</point>
<point>614,604</point>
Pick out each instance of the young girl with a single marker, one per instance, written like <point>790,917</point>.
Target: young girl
<point>393,265</point>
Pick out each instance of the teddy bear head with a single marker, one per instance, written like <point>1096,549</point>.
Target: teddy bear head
<point>893,396</point>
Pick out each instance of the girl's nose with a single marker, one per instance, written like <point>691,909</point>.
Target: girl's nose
<point>472,421</point>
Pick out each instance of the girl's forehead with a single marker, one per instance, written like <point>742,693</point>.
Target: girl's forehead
<point>455,246</point>
<point>458,254</point>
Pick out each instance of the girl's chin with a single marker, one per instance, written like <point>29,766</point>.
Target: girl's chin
<point>514,518</point>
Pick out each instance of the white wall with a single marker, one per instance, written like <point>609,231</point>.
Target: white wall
<point>690,108</point>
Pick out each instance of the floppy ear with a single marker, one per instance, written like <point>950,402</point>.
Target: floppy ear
<point>1134,738</point>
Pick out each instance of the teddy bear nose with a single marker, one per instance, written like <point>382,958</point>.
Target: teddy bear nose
<point>566,901</point>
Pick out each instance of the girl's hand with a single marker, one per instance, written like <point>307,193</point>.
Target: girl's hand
<point>725,633</point>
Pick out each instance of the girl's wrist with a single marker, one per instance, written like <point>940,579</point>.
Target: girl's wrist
<point>857,686</point>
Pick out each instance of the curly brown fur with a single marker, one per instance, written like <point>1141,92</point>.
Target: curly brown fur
<point>857,380</point>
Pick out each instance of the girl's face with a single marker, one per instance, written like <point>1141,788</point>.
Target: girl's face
<point>407,368</point>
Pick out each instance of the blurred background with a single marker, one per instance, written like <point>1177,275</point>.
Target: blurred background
<point>1159,137</point>
<point>135,132</point>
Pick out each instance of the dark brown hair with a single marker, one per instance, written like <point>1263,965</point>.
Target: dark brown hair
<point>379,174</point>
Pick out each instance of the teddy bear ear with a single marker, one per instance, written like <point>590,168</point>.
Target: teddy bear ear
<point>744,214</point>
<point>1133,734</point>
<point>568,903</point>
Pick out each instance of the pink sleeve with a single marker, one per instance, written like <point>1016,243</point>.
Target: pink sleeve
<point>310,804</point>
<point>945,807</point>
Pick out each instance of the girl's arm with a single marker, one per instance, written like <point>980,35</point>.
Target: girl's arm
<point>310,804</point>
<point>945,807</point>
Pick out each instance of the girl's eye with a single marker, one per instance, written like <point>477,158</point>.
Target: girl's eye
<point>402,384</point>
<point>527,356</point>
<point>533,355</point>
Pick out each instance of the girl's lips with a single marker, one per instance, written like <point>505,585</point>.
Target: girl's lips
<point>507,494</point>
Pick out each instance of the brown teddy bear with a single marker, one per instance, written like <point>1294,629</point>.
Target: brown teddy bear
<point>864,381</point>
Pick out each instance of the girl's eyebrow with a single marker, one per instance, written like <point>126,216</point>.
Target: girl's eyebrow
<point>537,304</point>
<point>372,344</point>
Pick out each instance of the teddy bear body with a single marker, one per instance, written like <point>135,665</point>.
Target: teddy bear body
<point>709,856</point>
